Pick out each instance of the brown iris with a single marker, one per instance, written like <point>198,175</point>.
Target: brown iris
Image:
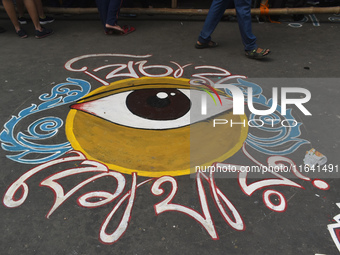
<point>158,104</point>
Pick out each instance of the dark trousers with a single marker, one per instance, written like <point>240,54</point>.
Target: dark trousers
<point>215,14</point>
<point>109,11</point>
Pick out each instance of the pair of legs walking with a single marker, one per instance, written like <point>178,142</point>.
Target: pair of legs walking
<point>216,11</point>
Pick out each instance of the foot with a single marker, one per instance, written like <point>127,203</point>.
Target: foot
<point>257,53</point>
<point>21,33</point>
<point>45,20</point>
<point>22,20</point>
<point>210,44</point>
<point>43,32</point>
<point>266,51</point>
<point>110,30</point>
<point>116,27</point>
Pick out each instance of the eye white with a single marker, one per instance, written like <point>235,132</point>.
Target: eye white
<point>113,108</point>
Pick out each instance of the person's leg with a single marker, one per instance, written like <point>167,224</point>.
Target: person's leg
<point>9,7</point>
<point>243,8</point>
<point>40,9</point>
<point>113,12</point>
<point>244,21</point>
<point>21,12</point>
<point>103,6</point>
<point>109,11</point>
<point>32,11</point>
<point>20,8</point>
<point>214,16</point>
<point>43,19</point>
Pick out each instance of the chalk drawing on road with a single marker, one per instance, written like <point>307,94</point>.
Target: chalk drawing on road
<point>114,133</point>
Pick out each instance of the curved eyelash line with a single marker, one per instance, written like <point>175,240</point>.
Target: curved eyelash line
<point>211,88</point>
<point>88,98</point>
<point>209,94</point>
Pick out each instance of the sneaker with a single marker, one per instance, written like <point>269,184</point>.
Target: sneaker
<point>41,34</point>
<point>22,33</point>
<point>46,20</point>
<point>22,20</point>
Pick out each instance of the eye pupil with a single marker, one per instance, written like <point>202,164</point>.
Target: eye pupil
<point>158,104</point>
<point>161,100</point>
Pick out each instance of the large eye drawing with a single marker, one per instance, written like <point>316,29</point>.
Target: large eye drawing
<point>153,108</point>
<point>147,126</point>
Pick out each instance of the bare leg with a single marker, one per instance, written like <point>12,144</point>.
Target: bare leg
<point>20,8</point>
<point>9,7</point>
<point>32,11</point>
<point>38,5</point>
<point>40,9</point>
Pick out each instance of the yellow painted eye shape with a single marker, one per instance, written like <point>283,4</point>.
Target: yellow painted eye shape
<point>154,108</point>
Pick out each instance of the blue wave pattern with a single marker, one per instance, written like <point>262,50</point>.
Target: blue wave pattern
<point>44,128</point>
<point>277,139</point>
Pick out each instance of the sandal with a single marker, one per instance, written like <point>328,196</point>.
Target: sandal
<point>21,33</point>
<point>126,30</point>
<point>257,55</point>
<point>210,44</point>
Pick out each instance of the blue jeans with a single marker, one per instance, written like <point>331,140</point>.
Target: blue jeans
<point>215,14</point>
<point>109,11</point>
